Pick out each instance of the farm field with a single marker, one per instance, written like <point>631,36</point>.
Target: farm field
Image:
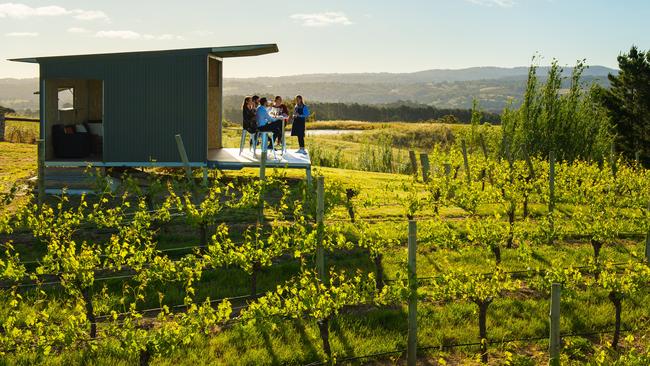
<point>148,256</point>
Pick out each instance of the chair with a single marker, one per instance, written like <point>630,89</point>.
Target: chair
<point>254,138</point>
<point>266,135</point>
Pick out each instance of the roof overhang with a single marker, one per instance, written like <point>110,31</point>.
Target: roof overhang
<point>247,50</point>
<point>222,52</point>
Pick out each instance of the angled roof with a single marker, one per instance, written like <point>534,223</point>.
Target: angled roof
<point>225,51</point>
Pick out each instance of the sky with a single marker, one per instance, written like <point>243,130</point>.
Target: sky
<point>331,36</point>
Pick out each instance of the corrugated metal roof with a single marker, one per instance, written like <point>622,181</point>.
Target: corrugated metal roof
<point>225,51</point>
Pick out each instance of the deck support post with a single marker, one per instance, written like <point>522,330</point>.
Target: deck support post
<point>205,176</point>
<point>308,174</point>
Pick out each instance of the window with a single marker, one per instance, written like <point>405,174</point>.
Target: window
<point>66,99</point>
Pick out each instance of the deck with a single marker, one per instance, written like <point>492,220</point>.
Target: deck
<point>229,159</point>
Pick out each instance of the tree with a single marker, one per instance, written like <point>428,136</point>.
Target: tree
<point>628,104</point>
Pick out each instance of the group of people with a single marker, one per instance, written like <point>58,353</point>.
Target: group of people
<point>260,115</point>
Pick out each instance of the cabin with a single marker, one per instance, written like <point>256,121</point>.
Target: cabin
<point>125,110</point>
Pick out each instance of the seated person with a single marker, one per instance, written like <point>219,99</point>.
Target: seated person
<point>267,123</point>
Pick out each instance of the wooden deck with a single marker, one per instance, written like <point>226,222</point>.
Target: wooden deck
<point>229,159</point>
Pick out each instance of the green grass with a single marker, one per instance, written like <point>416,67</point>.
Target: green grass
<point>364,331</point>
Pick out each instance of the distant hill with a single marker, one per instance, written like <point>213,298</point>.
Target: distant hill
<point>492,86</point>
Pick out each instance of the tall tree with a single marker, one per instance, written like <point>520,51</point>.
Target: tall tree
<point>628,104</point>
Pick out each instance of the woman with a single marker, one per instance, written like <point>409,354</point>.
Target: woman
<point>300,114</point>
<point>249,122</point>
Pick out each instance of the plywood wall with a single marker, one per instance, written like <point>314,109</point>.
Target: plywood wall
<point>87,106</point>
<point>215,113</point>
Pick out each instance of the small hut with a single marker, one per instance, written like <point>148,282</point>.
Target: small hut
<point>125,109</point>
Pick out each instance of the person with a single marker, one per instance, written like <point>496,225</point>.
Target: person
<point>256,100</point>
<point>279,110</point>
<point>249,122</point>
<point>300,114</point>
<point>267,123</point>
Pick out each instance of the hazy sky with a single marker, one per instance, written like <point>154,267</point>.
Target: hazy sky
<point>331,35</point>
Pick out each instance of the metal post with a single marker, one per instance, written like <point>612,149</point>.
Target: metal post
<point>413,295</point>
<point>414,162</point>
<point>308,174</point>
<point>320,211</point>
<point>466,161</point>
<point>554,315</point>
<point>424,161</point>
<point>183,154</point>
<point>41,171</point>
<point>551,181</point>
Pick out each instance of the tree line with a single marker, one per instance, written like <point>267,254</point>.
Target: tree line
<point>399,111</point>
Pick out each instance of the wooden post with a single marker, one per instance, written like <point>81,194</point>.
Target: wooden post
<point>466,161</point>
<point>647,242</point>
<point>320,211</point>
<point>183,154</point>
<point>2,126</point>
<point>424,161</point>
<point>612,160</point>
<point>483,146</point>
<point>447,169</point>
<point>41,171</point>
<point>554,315</point>
<point>551,181</point>
<point>414,163</point>
<point>205,177</point>
<point>413,295</point>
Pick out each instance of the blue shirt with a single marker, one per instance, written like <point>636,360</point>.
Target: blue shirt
<point>263,116</point>
<point>305,112</point>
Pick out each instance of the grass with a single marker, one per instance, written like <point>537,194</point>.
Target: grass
<point>364,331</point>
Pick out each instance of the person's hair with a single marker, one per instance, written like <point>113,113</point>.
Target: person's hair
<point>246,100</point>
<point>299,97</point>
<point>263,101</point>
<point>255,97</point>
<point>277,97</point>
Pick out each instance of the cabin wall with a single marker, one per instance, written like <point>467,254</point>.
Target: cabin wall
<point>147,100</point>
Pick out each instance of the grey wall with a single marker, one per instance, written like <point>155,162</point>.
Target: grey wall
<point>147,100</point>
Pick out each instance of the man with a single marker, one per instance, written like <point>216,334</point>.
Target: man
<point>267,123</point>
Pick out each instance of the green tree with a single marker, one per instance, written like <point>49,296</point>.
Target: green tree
<point>628,104</point>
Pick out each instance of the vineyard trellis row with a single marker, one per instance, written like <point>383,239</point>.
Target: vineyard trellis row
<point>319,291</point>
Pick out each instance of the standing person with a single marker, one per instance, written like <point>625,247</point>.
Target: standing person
<point>256,100</point>
<point>279,110</point>
<point>267,123</point>
<point>300,114</point>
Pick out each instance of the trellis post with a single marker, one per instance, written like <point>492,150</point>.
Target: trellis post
<point>320,211</point>
<point>554,315</point>
<point>413,295</point>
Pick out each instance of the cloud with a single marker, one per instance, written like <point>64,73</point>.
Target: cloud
<point>132,35</point>
<point>22,11</point>
<point>21,34</point>
<point>77,30</point>
<point>499,3</point>
<point>322,19</point>
<point>202,33</point>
